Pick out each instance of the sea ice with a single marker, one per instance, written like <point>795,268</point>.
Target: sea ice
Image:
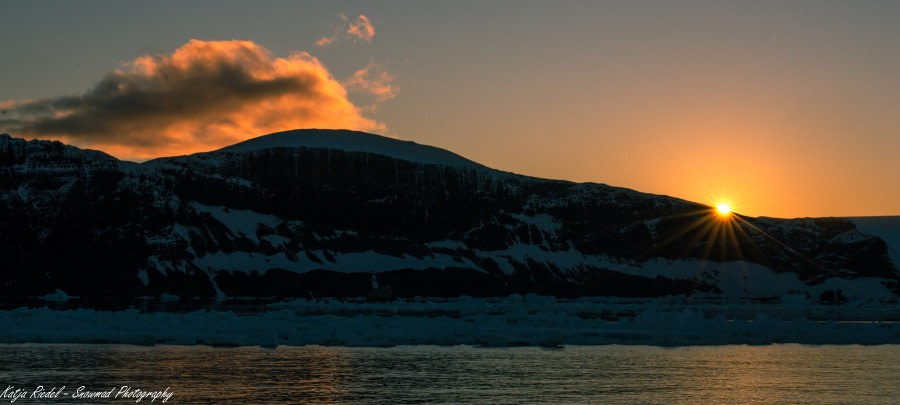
<point>510,321</point>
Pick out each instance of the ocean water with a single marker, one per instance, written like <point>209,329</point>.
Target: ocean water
<point>457,374</point>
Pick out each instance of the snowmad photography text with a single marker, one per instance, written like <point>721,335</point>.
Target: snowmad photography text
<point>125,392</point>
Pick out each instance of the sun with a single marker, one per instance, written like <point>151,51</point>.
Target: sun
<point>723,210</point>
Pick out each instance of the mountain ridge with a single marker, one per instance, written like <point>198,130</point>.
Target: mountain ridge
<point>352,141</point>
<point>309,221</point>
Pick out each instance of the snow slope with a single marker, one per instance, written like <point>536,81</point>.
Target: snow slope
<point>353,141</point>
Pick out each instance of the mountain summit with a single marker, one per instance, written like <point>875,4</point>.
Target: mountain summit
<point>323,213</point>
<point>352,141</point>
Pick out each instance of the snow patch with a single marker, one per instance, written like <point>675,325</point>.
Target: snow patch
<point>58,296</point>
<point>447,244</point>
<point>240,222</point>
<point>245,262</point>
<point>142,275</point>
<point>851,236</point>
<point>356,262</point>
<point>543,222</point>
<point>166,297</point>
<point>276,240</point>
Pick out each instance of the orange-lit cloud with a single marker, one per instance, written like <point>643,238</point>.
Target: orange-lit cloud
<point>325,41</point>
<point>205,95</point>
<point>360,29</point>
<point>374,80</point>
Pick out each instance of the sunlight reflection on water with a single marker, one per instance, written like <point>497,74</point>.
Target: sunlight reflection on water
<point>459,374</point>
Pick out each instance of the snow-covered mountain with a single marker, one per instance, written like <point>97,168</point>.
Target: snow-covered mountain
<point>315,213</point>
<point>352,141</point>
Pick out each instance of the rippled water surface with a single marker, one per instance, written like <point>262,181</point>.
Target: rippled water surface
<point>430,374</point>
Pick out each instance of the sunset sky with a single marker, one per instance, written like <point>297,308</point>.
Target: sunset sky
<point>782,108</point>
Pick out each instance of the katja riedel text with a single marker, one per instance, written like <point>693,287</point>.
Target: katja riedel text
<point>13,393</point>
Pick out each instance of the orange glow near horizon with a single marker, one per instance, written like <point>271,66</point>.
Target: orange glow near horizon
<point>779,159</point>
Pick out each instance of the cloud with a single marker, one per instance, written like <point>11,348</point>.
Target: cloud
<point>374,80</point>
<point>325,41</point>
<point>205,95</point>
<point>360,29</point>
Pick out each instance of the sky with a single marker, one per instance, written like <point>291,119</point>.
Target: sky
<point>781,108</point>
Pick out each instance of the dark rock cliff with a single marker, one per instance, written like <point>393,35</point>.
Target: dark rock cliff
<point>312,222</point>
